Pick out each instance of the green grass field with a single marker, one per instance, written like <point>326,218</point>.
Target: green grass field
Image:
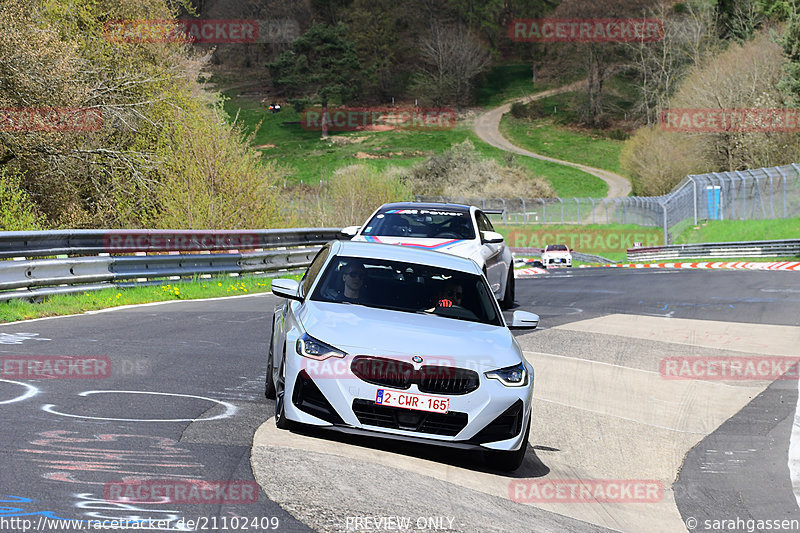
<point>544,136</point>
<point>741,230</point>
<point>70,304</point>
<point>310,159</point>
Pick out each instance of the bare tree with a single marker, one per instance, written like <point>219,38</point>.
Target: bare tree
<point>688,38</point>
<point>599,59</point>
<point>452,58</point>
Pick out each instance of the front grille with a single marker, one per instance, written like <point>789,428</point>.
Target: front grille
<point>401,375</point>
<point>371,414</point>
<point>447,380</point>
<point>382,371</point>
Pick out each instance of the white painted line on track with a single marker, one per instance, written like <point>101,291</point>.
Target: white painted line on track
<point>794,451</point>
<point>631,368</point>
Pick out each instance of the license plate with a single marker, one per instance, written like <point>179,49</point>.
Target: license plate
<point>417,402</point>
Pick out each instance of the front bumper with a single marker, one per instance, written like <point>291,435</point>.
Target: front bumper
<point>490,417</point>
<point>557,261</point>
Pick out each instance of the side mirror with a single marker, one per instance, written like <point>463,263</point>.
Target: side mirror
<point>287,288</point>
<point>524,320</point>
<point>491,237</point>
<point>350,231</point>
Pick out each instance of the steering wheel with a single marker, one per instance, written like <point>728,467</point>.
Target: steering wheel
<point>446,235</point>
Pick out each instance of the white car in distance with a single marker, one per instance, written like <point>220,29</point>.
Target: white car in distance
<point>557,255</point>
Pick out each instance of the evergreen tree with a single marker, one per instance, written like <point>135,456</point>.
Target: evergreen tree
<point>321,65</point>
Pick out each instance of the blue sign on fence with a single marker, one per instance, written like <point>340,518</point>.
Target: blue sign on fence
<point>713,203</point>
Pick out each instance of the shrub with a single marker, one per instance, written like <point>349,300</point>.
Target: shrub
<point>17,212</point>
<point>519,110</point>
<point>211,178</point>
<point>353,192</point>
<point>462,172</point>
<point>656,160</point>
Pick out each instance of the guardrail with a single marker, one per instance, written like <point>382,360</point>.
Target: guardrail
<point>267,251</point>
<point>778,248</point>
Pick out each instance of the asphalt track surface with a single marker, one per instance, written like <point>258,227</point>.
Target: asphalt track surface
<point>184,401</point>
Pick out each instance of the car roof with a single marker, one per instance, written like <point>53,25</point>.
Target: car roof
<point>426,205</point>
<point>407,254</point>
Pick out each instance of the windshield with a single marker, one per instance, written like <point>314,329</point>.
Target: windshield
<point>421,223</point>
<point>407,287</point>
<point>556,248</point>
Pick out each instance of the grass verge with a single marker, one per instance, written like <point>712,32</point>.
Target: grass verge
<point>741,230</point>
<point>169,290</point>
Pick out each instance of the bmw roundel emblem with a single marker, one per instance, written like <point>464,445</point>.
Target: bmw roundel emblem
<point>417,359</point>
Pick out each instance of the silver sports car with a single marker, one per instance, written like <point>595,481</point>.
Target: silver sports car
<point>402,343</point>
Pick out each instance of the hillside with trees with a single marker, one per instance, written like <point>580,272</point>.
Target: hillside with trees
<point>166,154</point>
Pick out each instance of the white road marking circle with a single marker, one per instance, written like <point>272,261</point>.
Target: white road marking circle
<point>31,392</point>
<point>230,409</point>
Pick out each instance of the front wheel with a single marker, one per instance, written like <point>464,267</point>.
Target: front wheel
<point>510,293</point>
<point>269,384</point>
<point>508,461</point>
<point>281,422</point>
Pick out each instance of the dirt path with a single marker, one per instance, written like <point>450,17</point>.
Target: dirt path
<point>487,128</point>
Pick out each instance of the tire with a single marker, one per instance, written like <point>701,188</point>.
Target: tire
<point>281,422</point>
<point>508,461</point>
<point>510,293</point>
<point>269,384</point>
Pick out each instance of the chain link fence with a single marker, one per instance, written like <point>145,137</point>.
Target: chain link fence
<point>739,195</point>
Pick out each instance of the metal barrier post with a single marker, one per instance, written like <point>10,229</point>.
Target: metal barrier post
<point>694,183</point>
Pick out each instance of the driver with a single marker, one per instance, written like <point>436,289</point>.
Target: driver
<point>353,276</point>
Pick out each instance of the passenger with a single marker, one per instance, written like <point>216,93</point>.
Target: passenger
<point>450,295</point>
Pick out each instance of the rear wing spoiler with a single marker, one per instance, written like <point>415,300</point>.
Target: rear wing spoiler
<point>493,211</point>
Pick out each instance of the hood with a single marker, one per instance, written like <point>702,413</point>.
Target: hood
<point>459,247</point>
<point>360,330</point>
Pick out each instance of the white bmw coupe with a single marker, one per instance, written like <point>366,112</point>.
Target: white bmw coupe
<point>404,343</point>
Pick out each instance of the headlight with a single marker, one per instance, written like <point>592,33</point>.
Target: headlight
<point>308,346</point>
<point>512,376</point>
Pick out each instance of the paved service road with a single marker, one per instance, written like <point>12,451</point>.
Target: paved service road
<point>487,127</point>
<point>604,415</point>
